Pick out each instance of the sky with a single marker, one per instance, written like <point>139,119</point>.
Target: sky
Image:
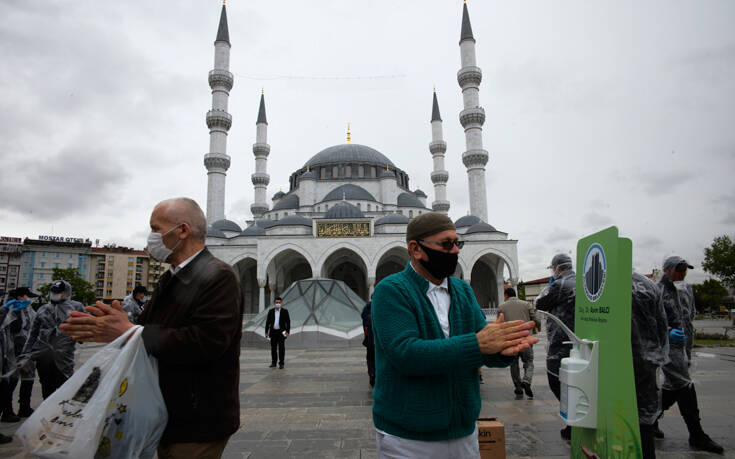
<point>597,113</point>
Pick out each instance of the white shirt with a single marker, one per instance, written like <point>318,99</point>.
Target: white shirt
<point>276,322</point>
<point>439,297</point>
<point>183,263</point>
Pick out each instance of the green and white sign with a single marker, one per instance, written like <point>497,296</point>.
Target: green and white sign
<point>603,304</point>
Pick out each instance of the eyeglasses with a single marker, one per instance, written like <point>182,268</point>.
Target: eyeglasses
<point>446,245</point>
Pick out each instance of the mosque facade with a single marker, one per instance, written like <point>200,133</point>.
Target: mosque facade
<point>346,210</point>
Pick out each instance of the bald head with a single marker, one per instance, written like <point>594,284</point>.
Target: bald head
<point>184,210</point>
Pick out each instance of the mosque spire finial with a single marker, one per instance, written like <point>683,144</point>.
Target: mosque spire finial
<point>349,137</point>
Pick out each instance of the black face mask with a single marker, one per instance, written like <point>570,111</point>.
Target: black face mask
<point>440,264</point>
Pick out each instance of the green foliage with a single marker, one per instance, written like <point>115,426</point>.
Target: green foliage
<point>81,290</point>
<point>521,292</point>
<point>709,294</point>
<point>719,260</point>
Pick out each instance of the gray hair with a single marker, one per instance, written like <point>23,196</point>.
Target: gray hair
<point>186,210</point>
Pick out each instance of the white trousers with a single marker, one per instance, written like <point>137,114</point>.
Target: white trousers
<point>392,447</point>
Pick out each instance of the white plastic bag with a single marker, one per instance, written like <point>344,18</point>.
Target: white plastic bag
<point>111,407</point>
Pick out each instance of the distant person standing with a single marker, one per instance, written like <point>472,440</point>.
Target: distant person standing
<point>277,328</point>
<point>516,309</point>
<point>369,342</point>
<point>678,387</point>
<point>558,299</point>
<point>133,303</point>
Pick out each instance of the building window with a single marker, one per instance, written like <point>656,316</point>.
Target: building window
<point>43,254</point>
<point>109,274</point>
<point>109,284</point>
<point>322,173</point>
<point>358,205</point>
<point>131,258</point>
<point>57,255</point>
<point>43,264</point>
<point>369,206</point>
<point>70,265</point>
<point>335,171</point>
<point>25,275</point>
<point>410,214</point>
<point>109,293</point>
<point>111,257</point>
<point>71,255</point>
<point>56,265</point>
<point>360,171</point>
<point>41,276</point>
<point>373,172</point>
<point>400,212</point>
<point>348,171</point>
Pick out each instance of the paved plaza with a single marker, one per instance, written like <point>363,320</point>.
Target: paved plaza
<point>319,407</point>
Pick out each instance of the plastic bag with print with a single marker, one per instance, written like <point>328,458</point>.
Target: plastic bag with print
<point>111,407</point>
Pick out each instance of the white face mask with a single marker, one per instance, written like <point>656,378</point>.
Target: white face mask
<point>56,297</point>
<point>680,284</point>
<point>157,248</point>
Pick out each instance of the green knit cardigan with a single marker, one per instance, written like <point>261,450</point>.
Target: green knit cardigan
<point>427,386</point>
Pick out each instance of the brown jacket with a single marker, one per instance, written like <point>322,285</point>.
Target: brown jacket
<point>192,325</point>
<point>517,309</point>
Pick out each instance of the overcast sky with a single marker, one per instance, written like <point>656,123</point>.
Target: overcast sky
<point>598,113</point>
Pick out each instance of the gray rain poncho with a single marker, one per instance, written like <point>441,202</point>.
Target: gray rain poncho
<point>132,308</point>
<point>45,342</point>
<point>649,339</point>
<point>558,299</point>
<point>678,300</point>
<point>15,326</point>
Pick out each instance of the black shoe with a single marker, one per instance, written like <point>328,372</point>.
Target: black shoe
<point>518,391</point>
<point>25,412</point>
<point>566,433</point>
<point>9,416</point>
<point>527,389</point>
<point>5,439</point>
<point>657,432</point>
<point>705,443</point>
<point>280,366</point>
<point>272,365</point>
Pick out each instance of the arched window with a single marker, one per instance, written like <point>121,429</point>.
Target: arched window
<point>410,214</point>
<point>373,172</point>
<point>322,173</point>
<point>358,205</point>
<point>361,171</point>
<point>335,171</point>
<point>369,207</point>
<point>348,171</point>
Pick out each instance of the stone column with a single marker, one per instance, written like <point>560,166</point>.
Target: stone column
<point>371,286</point>
<point>261,296</point>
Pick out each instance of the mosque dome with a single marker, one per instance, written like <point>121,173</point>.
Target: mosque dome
<point>265,223</point>
<point>386,173</point>
<point>419,193</point>
<point>409,200</point>
<point>467,220</point>
<point>253,230</point>
<point>226,225</point>
<point>348,191</point>
<point>289,202</point>
<point>481,227</point>
<point>392,219</point>
<point>293,220</point>
<point>344,210</point>
<point>279,195</point>
<point>349,153</point>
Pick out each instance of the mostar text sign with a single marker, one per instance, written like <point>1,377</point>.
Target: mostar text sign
<point>62,239</point>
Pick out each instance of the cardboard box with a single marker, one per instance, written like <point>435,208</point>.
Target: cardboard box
<point>491,435</point>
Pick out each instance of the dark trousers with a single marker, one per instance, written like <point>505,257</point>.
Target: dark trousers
<point>278,346</point>
<point>552,366</point>
<point>686,397</point>
<point>50,377</point>
<point>648,445</point>
<point>7,386</point>
<point>370,360</point>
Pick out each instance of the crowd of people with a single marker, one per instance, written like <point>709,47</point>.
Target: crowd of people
<point>426,340</point>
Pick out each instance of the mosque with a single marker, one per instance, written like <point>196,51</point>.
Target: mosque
<point>345,213</point>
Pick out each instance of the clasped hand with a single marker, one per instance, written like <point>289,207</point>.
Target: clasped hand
<point>506,338</point>
<point>103,323</point>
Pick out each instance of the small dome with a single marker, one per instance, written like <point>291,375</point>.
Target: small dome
<point>293,220</point>
<point>386,173</point>
<point>214,232</point>
<point>348,191</point>
<point>467,220</point>
<point>408,200</point>
<point>419,193</point>
<point>265,223</point>
<point>226,225</point>
<point>253,230</point>
<point>344,210</point>
<point>279,195</point>
<point>392,219</point>
<point>289,202</point>
<point>308,175</point>
<point>481,227</point>
<point>349,153</point>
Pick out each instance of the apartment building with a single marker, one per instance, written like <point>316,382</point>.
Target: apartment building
<point>115,271</point>
<point>11,253</point>
<point>41,256</point>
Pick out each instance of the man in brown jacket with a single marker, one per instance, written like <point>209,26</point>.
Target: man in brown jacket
<point>515,309</point>
<point>192,325</point>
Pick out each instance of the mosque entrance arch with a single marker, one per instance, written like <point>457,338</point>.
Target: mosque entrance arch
<point>391,262</point>
<point>284,269</point>
<point>486,280</point>
<point>246,270</point>
<point>347,266</point>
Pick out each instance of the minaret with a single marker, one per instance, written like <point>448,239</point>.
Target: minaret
<point>260,149</point>
<point>472,118</point>
<point>438,147</point>
<point>219,121</point>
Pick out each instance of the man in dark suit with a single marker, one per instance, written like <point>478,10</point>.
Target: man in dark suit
<point>192,325</point>
<point>277,328</point>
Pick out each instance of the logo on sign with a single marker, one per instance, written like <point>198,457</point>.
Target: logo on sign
<point>595,272</point>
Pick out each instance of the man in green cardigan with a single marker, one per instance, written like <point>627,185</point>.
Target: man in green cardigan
<point>430,339</point>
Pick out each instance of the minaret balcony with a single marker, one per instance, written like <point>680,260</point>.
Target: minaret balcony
<point>260,178</point>
<point>261,149</point>
<point>475,158</point>
<point>440,206</point>
<point>439,177</point>
<point>258,209</point>
<point>437,146</point>
<point>469,77</point>
<point>472,117</point>
<point>220,78</point>
<point>219,119</point>
<point>216,162</point>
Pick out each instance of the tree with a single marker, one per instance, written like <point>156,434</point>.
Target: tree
<point>81,290</point>
<point>719,260</point>
<point>709,294</point>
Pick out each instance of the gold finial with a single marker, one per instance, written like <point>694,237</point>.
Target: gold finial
<point>434,89</point>
<point>225,1</point>
<point>349,137</point>
<point>262,91</point>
